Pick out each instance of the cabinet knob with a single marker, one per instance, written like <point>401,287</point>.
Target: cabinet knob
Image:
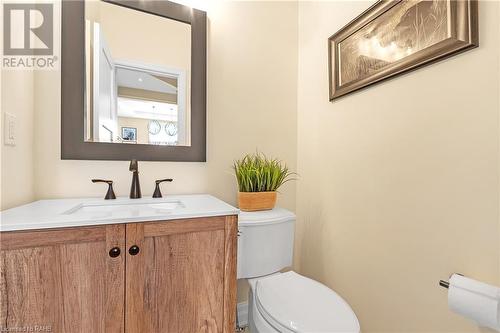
<point>134,249</point>
<point>114,252</point>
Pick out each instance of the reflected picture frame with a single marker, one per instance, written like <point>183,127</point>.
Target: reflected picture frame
<point>353,65</point>
<point>129,134</point>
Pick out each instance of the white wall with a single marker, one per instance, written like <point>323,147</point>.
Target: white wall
<point>399,182</point>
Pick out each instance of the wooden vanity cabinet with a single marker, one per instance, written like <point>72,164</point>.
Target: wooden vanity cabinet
<point>184,277</point>
<point>173,276</point>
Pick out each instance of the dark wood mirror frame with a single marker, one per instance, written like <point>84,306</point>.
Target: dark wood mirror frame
<point>73,146</point>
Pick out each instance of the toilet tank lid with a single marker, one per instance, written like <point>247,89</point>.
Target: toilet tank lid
<point>276,215</point>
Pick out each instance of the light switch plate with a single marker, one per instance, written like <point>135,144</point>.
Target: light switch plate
<point>9,127</point>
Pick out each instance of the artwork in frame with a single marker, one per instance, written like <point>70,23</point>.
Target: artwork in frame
<point>395,36</point>
<point>129,134</point>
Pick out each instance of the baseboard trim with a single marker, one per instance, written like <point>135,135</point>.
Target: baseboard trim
<point>242,309</point>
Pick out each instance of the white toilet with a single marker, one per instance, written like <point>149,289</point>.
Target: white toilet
<point>284,302</point>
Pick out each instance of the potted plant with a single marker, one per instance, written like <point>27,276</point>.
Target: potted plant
<point>258,179</point>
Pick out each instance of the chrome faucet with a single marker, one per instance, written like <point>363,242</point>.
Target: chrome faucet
<point>135,188</point>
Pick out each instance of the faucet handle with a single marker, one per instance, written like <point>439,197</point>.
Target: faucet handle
<point>157,193</point>
<point>110,194</point>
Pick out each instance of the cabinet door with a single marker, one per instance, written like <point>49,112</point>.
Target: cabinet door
<point>62,280</point>
<point>183,280</point>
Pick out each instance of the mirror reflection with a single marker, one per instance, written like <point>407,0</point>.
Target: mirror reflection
<point>137,68</point>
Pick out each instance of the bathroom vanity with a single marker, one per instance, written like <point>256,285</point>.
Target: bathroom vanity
<point>133,86</point>
<point>142,265</point>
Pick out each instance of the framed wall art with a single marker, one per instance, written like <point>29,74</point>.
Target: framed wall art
<point>395,36</point>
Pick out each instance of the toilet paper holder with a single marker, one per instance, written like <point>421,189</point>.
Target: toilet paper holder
<point>446,284</point>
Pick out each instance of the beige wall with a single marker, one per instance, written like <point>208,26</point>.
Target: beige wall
<point>237,123</point>
<point>399,182</point>
<point>139,38</point>
<point>138,123</point>
<point>135,36</point>
<point>147,95</point>
<point>17,175</point>
<point>251,52</point>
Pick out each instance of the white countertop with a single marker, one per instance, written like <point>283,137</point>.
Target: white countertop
<point>61,213</point>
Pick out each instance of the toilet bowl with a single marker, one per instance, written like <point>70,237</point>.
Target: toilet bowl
<point>284,302</point>
<point>289,302</point>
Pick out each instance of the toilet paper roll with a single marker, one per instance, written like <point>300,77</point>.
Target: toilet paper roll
<point>475,300</point>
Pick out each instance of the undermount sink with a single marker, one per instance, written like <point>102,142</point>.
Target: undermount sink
<point>127,208</point>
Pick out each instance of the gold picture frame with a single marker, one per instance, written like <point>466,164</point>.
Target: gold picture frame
<point>395,36</point>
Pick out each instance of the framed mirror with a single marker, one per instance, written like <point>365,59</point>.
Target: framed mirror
<point>133,81</point>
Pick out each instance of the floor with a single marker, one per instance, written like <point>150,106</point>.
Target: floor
<point>246,330</point>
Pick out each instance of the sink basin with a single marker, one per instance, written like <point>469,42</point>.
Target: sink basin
<point>125,209</point>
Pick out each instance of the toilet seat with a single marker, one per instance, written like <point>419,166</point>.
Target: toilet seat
<point>293,303</point>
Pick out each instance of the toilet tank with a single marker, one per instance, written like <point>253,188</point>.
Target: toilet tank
<point>265,242</point>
